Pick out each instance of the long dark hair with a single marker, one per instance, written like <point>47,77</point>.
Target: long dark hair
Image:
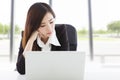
<point>34,18</point>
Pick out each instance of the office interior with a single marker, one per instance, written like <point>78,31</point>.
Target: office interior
<point>97,24</point>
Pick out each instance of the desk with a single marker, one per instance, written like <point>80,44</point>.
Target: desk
<point>7,72</point>
<point>98,71</point>
<point>93,71</point>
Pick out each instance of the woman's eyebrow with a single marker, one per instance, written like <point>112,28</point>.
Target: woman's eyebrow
<point>48,20</point>
<point>51,19</point>
<point>42,23</point>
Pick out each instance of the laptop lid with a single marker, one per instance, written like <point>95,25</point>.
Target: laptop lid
<point>54,65</point>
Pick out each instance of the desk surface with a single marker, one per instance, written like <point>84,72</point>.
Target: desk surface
<point>93,71</point>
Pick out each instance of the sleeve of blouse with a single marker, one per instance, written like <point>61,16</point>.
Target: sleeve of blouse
<point>20,65</point>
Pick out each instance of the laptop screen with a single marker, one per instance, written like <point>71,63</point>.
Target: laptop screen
<point>54,65</point>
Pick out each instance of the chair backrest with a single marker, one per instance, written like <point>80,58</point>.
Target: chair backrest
<point>72,36</point>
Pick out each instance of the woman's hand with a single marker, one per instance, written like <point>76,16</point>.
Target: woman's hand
<point>34,35</point>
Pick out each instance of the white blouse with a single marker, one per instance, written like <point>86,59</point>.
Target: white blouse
<point>52,40</point>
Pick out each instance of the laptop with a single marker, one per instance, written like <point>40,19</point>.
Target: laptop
<point>54,65</point>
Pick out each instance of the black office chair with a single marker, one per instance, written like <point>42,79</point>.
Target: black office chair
<point>72,35</point>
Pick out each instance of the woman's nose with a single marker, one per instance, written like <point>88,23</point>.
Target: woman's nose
<point>49,28</point>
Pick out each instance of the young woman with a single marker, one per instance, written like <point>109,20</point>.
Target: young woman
<point>40,33</point>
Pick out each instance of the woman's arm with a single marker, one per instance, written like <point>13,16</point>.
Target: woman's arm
<point>30,42</point>
<point>20,65</point>
<point>21,58</point>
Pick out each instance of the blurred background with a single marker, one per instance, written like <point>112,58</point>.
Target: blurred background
<point>97,23</point>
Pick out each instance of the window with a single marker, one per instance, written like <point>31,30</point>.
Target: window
<point>74,12</point>
<point>4,28</point>
<point>106,18</point>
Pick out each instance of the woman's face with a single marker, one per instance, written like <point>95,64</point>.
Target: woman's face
<point>47,26</point>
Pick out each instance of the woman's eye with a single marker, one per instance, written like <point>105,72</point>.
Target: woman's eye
<point>42,26</point>
<point>51,22</point>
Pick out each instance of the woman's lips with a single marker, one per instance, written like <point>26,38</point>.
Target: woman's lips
<point>49,33</point>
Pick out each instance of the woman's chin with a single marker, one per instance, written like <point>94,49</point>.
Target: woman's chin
<point>49,35</point>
